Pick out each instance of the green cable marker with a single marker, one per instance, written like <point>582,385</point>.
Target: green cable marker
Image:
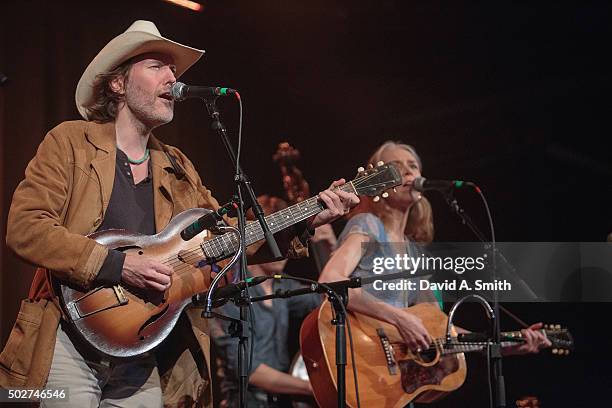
<point>438,296</point>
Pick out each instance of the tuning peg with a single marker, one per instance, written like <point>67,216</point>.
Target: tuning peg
<point>385,195</point>
<point>376,199</point>
<point>360,170</point>
<point>558,327</point>
<point>555,351</point>
<point>380,163</point>
<point>566,352</point>
<point>370,166</point>
<point>394,190</point>
<point>546,326</point>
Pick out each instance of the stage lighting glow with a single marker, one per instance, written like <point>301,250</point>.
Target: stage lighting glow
<point>191,5</point>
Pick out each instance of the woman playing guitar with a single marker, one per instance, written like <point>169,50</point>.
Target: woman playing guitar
<point>403,218</point>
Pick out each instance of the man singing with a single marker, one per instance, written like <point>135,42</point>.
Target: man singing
<point>109,171</point>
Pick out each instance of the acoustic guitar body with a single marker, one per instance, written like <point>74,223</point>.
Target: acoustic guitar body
<point>389,375</point>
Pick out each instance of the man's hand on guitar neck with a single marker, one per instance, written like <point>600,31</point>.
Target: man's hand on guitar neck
<point>337,203</point>
<point>146,273</point>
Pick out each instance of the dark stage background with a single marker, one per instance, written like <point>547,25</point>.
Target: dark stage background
<point>512,95</point>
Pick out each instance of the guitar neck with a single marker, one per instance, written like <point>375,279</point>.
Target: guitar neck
<point>466,347</point>
<point>223,246</point>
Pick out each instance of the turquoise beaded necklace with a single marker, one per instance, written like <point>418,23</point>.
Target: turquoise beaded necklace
<point>141,160</point>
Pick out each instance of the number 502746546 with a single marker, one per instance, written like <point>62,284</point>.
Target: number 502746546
<point>32,394</point>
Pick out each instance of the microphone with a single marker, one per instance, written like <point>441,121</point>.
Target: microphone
<point>422,184</point>
<point>233,289</point>
<point>180,91</point>
<point>207,221</point>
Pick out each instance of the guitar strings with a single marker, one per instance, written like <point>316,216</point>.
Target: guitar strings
<point>185,261</point>
<point>250,226</point>
<point>180,262</point>
<point>433,346</point>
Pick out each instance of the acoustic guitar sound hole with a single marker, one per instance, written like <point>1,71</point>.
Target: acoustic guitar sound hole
<point>428,355</point>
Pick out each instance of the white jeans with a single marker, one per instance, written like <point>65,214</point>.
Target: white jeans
<point>133,383</point>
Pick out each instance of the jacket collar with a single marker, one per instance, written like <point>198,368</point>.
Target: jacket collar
<point>163,173</point>
<point>103,137</point>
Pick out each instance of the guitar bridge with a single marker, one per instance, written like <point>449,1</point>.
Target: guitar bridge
<point>80,308</point>
<point>388,350</point>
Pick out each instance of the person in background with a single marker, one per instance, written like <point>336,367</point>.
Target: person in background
<point>269,381</point>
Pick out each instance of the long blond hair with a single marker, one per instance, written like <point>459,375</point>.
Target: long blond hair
<point>420,226</point>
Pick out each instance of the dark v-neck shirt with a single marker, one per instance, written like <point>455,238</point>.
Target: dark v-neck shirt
<point>130,208</point>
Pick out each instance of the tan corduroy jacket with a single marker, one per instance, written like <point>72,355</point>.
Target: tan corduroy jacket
<point>63,198</point>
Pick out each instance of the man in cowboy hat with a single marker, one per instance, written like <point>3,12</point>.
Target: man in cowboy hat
<point>109,171</point>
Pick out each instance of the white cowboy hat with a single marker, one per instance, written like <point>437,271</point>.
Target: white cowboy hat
<point>141,37</point>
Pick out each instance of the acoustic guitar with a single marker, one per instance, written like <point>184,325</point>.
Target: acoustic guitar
<point>389,375</point>
<point>122,321</point>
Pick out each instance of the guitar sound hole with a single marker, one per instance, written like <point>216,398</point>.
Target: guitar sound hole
<point>428,355</point>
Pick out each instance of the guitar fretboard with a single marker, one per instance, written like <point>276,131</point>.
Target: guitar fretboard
<point>467,347</point>
<point>225,245</point>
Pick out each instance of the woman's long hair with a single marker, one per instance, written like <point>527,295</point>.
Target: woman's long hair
<point>420,226</point>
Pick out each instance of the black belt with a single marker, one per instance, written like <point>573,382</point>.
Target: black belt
<point>270,399</point>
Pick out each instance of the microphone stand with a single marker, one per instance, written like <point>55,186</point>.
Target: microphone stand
<point>337,293</point>
<point>495,348</point>
<point>339,303</point>
<point>242,182</point>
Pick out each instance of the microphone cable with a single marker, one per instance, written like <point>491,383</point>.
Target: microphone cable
<point>495,293</point>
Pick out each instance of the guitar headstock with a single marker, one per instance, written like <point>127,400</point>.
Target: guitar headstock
<point>375,180</point>
<point>561,339</point>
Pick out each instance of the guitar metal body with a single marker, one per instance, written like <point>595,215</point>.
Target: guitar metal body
<point>120,321</point>
<point>389,376</point>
